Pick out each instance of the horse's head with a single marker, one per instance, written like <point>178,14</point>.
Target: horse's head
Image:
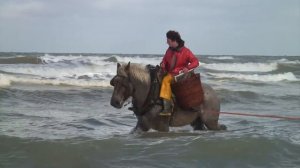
<point>123,88</point>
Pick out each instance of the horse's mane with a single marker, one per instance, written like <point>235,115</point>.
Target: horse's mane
<point>139,73</point>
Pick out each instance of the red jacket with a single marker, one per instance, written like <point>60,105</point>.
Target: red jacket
<point>185,59</point>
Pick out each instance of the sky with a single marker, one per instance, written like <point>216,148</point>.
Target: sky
<point>222,27</point>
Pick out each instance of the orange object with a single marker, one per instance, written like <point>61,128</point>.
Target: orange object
<point>165,90</point>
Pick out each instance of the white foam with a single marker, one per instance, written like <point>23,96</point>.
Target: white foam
<point>285,61</point>
<point>62,71</point>
<point>140,60</point>
<point>53,59</point>
<point>289,76</point>
<point>76,60</point>
<point>99,60</point>
<point>295,139</point>
<point>221,58</point>
<point>4,81</point>
<point>242,67</point>
<point>8,79</point>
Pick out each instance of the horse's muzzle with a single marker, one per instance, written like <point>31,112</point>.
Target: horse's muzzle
<point>116,104</point>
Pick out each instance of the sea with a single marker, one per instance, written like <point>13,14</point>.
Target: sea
<point>55,112</point>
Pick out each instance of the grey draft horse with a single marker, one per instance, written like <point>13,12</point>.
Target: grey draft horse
<point>133,80</point>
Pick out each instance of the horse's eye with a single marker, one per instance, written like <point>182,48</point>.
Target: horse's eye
<point>112,81</point>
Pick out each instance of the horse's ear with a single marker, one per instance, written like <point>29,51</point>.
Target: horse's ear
<point>118,65</point>
<point>127,66</point>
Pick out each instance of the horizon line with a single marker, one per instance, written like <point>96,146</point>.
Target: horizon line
<point>108,53</point>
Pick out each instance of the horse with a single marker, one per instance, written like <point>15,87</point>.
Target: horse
<point>134,80</point>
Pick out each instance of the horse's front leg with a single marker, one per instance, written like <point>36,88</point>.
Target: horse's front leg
<point>140,127</point>
<point>158,122</point>
<point>161,124</point>
<point>137,130</point>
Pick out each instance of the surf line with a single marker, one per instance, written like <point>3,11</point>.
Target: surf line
<point>261,115</point>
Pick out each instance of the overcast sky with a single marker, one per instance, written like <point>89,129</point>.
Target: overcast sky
<point>255,27</point>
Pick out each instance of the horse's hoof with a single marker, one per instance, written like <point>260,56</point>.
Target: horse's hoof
<point>222,127</point>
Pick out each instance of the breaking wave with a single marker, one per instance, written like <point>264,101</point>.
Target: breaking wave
<point>282,65</point>
<point>99,60</point>
<point>7,80</point>
<point>97,70</point>
<point>242,67</point>
<point>83,71</point>
<point>289,76</point>
<point>221,57</point>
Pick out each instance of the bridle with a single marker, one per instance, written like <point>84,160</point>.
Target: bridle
<point>151,99</point>
<point>124,79</point>
<point>112,83</point>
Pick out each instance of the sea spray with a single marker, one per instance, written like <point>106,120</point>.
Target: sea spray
<point>4,81</point>
<point>288,76</point>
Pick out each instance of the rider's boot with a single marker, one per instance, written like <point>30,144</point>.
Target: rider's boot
<point>167,109</point>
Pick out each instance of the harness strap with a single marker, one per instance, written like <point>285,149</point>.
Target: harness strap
<point>153,96</point>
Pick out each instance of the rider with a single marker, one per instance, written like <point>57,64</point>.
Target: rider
<point>177,59</point>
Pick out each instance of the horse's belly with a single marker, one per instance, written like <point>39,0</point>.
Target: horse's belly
<point>182,118</point>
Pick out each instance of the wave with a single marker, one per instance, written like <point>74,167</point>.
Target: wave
<point>241,67</point>
<point>99,60</point>
<point>282,65</point>
<point>62,71</point>
<point>83,71</point>
<point>221,58</point>
<point>78,69</point>
<point>20,60</point>
<point>289,76</point>
<point>285,65</point>
<point>79,59</point>
<point>7,80</point>
<point>69,70</point>
<point>4,81</point>
<point>286,61</point>
<point>237,96</point>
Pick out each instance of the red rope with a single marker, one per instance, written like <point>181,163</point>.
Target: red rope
<point>262,115</point>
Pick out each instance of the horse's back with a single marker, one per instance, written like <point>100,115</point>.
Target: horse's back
<point>210,95</point>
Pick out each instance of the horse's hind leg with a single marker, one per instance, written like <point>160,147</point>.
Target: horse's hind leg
<point>197,124</point>
<point>210,109</point>
<point>213,125</point>
<point>210,119</point>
